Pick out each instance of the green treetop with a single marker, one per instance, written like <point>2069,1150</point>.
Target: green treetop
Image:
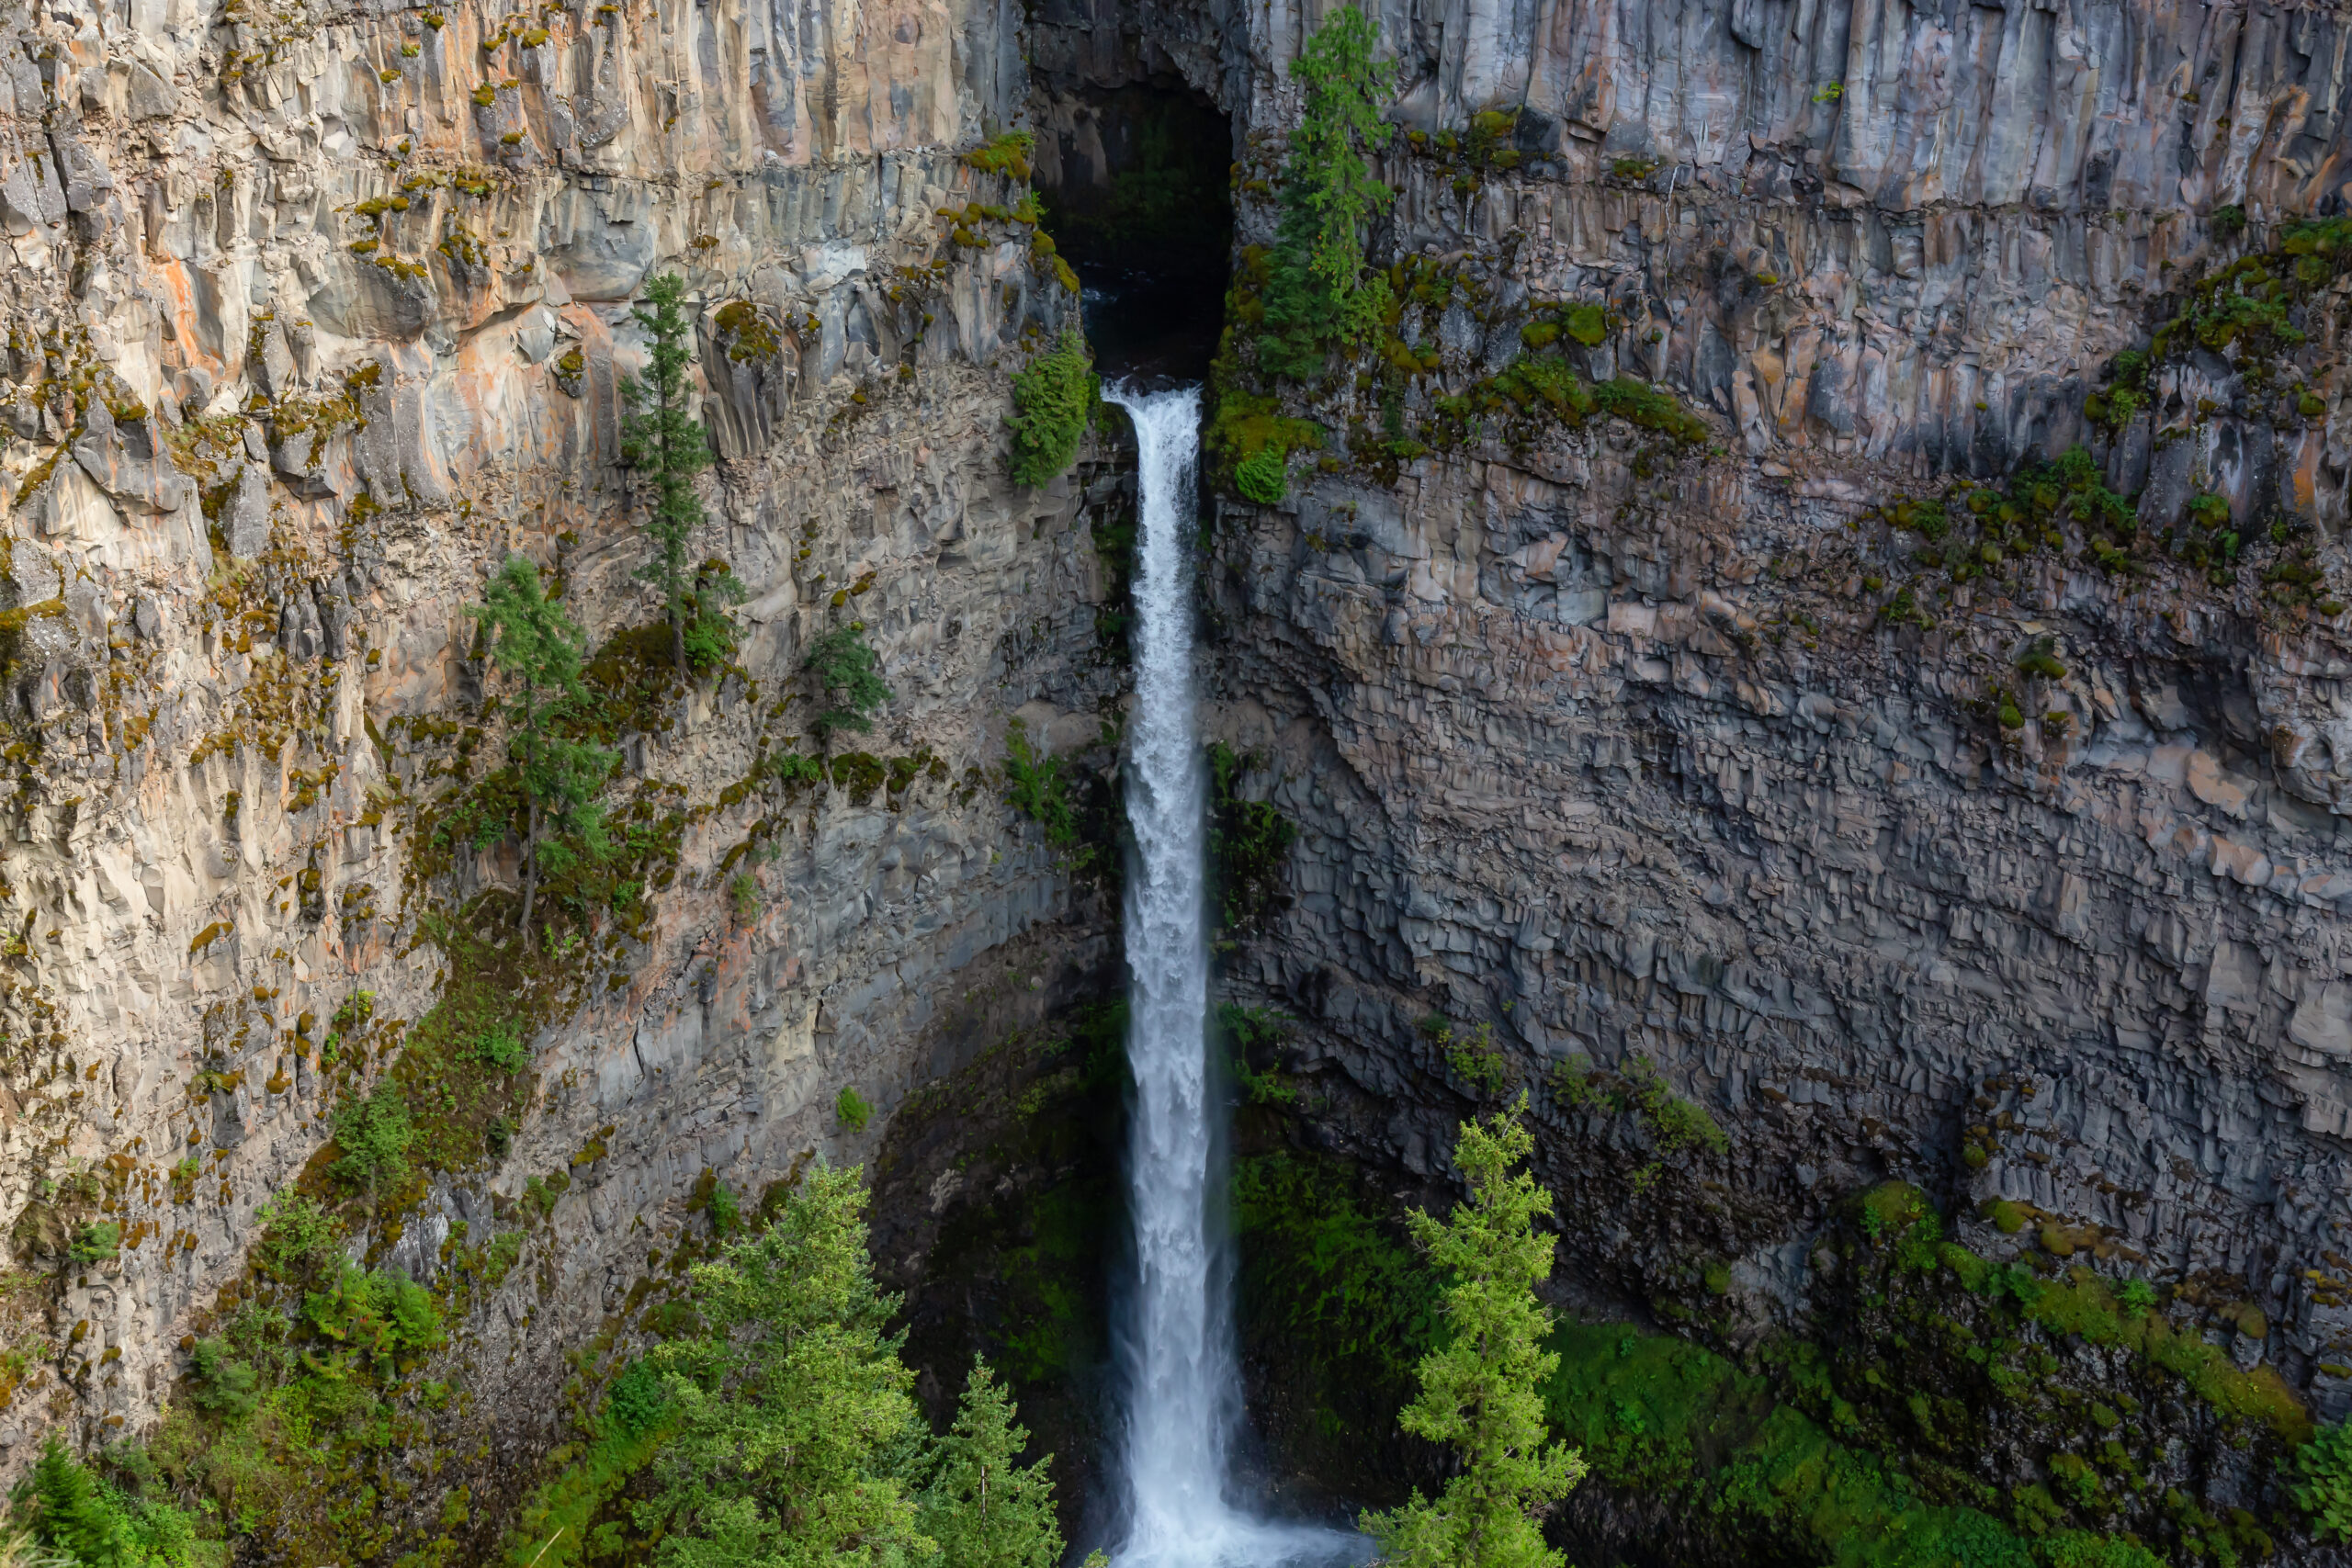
<point>985,1510</point>
<point>540,649</point>
<point>1479,1392</point>
<point>667,447</point>
<point>1318,291</point>
<point>790,1402</point>
<point>850,688</point>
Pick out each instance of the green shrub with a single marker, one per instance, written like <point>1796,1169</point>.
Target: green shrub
<point>1253,1032</point>
<point>1263,479</point>
<point>80,1519</point>
<point>637,1401</point>
<point>792,770</point>
<point>501,1046</point>
<point>1638,402</point>
<point>377,1318</point>
<point>850,1107</point>
<point>1052,401</point>
<point>724,1212</point>
<point>743,892</point>
<point>850,688</point>
<point>96,1243</point>
<point>1008,153</point>
<point>2322,1485</point>
<point>1250,841</point>
<point>2080,1549</point>
<point>222,1385</point>
<point>373,1135</point>
<point>296,1232</point>
<point>1035,786</point>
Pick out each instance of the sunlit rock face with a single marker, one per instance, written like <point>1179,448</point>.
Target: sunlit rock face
<point>312,320</point>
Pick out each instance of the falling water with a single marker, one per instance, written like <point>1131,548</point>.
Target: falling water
<point>1183,1395</point>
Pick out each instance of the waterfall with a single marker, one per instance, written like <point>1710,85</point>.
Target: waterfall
<point>1183,1388</point>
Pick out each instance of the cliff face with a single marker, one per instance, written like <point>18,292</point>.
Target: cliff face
<point>1907,847</point>
<point>1617,744</point>
<point>313,318</point>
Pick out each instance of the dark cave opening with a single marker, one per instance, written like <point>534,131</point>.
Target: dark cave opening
<point>1137,184</point>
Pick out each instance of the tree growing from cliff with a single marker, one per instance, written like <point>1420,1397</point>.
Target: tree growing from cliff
<point>1479,1392</point>
<point>1318,291</point>
<point>666,446</point>
<point>789,1406</point>
<point>1052,400</point>
<point>540,649</point>
<point>983,1507</point>
<point>850,688</point>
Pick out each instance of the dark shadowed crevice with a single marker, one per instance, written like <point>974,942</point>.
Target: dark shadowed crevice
<point>1136,182</point>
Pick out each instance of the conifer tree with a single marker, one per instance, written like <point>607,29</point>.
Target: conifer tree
<point>1480,1393</point>
<point>850,687</point>
<point>539,648</point>
<point>70,1514</point>
<point>1316,290</point>
<point>667,447</point>
<point>790,1404</point>
<point>983,1508</point>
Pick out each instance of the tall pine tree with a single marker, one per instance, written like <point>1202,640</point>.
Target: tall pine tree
<point>1479,1392</point>
<point>667,447</point>
<point>539,648</point>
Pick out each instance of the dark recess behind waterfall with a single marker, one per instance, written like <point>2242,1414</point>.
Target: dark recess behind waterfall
<point>1137,184</point>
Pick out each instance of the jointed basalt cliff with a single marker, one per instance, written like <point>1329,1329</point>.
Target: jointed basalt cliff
<point>1921,810</point>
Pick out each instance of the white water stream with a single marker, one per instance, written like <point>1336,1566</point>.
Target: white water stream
<point>1183,1391</point>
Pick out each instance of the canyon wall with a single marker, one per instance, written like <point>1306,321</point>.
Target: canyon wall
<point>1614,744</point>
<point>1617,745</point>
<point>313,318</point>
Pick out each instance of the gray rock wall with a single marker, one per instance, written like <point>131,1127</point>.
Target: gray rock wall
<point>310,321</point>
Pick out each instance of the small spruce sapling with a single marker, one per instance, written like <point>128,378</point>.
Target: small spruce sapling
<point>666,448</point>
<point>850,688</point>
<point>373,1135</point>
<point>541,647</point>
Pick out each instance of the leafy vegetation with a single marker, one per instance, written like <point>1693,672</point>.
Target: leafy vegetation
<point>373,1135</point>
<point>1471,1053</point>
<point>666,448</point>
<point>1035,787</point>
<point>1052,401</point>
<point>1252,1035</point>
<point>792,1433</point>
<point>850,688</point>
<point>980,1505</point>
<point>1319,291</point>
<point>2321,1484</point>
<point>1249,843</point>
<point>539,646</point>
<point>1673,1125</point>
<point>84,1519</point>
<point>1335,1302</point>
<point>1479,1389</point>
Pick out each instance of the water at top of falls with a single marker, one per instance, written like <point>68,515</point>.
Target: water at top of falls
<point>1183,1391</point>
